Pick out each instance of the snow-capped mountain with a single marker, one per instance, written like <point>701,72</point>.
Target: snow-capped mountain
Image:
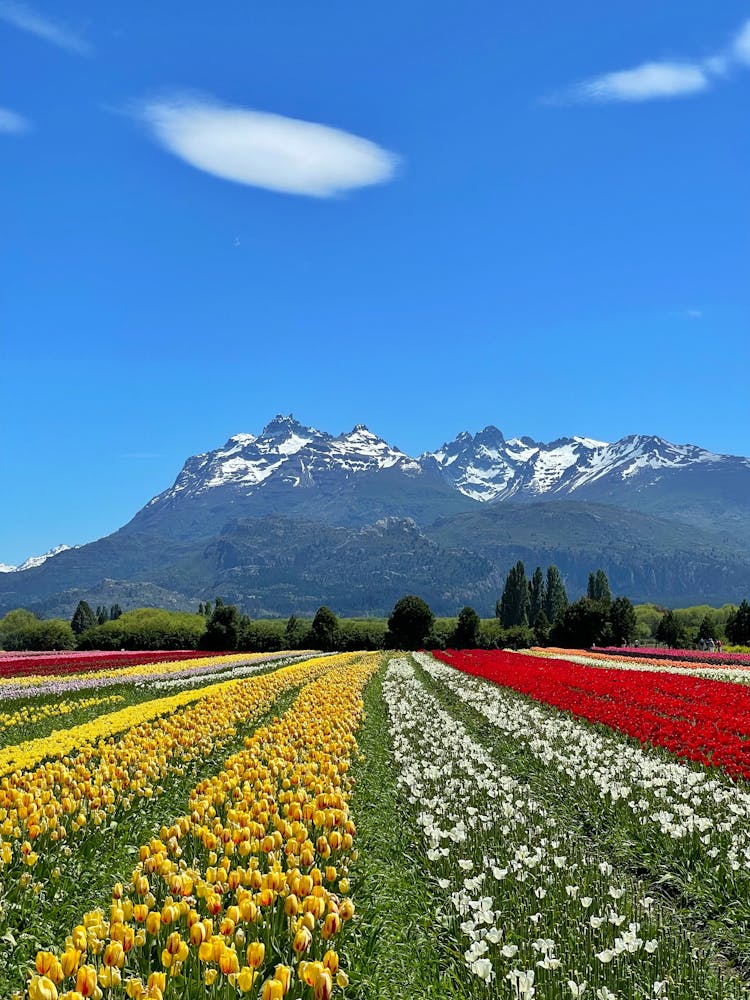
<point>483,467</point>
<point>286,452</point>
<point>487,467</point>
<point>294,517</point>
<point>34,561</point>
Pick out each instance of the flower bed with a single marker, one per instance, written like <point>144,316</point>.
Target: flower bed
<point>704,720</point>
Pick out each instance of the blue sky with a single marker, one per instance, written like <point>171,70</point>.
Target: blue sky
<point>426,217</point>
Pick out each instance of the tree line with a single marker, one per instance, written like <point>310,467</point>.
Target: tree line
<point>530,611</point>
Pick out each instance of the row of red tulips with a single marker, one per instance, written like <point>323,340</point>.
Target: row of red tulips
<point>704,720</point>
<point>55,664</point>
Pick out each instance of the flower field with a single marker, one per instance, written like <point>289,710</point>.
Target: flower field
<point>364,825</point>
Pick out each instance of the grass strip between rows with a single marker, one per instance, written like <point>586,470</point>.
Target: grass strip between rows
<point>395,951</point>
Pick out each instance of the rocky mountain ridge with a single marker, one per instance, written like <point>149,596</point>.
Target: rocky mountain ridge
<point>295,517</point>
<point>484,467</point>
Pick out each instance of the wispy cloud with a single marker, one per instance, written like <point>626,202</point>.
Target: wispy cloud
<point>12,122</point>
<point>661,79</point>
<point>23,17</point>
<point>693,313</point>
<point>644,83</point>
<point>266,150</point>
<point>741,46</point>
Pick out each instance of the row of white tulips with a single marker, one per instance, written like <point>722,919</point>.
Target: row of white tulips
<point>533,912</point>
<point>677,810</point>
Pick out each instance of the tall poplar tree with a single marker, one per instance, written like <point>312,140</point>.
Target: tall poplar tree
<point>514,603</point>
<point>536,594</point>
<point>598,589</point>
<point>555,595</point>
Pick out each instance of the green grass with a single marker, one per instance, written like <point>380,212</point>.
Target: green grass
<point>394,950</point>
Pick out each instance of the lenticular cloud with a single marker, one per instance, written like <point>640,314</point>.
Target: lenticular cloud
<point>266,150</point>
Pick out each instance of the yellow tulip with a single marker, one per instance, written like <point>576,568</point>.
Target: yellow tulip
<point>114,954</point>
<point>86,980</point>
<point>284,975</point>
<point>42,988</point>
<point>272,990</point>
<point>256,952</point>
<point>246,978</point>
<point>69,961</point>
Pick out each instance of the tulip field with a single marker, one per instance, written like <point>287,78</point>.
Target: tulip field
<point>471,824</point>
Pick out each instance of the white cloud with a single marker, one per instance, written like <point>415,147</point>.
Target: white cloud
<point>694,313</point>
<point>12,122</point>
<point>23,17</point>
<point>266,150</point>
<point>741,46</point>
<point>646,82</point>
<point>661,79</point>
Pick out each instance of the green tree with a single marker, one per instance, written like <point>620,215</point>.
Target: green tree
<point>115,612</point>
<point>222,628</point>
<point>622,622</point>
<point>16,627</point>
<point>514,603</point>
<point>584,623</point>
<point>707,629</point>
<point>146,628</point>
<point>293,633</point>
<point>262,636</point>
<point>466,634</point>
<point>325,629</point>
<point>536,594</point>
<point>517,637</point>
<point>738,625</point>
<point>410,622</point>
<point>102,615</point>
<point>598,589</point>
<point>541,629</point>
<point>21,630</point>
<point>670,631</point>
<point>83,618</point>
<point>555,595</point>
<point>54,633</point>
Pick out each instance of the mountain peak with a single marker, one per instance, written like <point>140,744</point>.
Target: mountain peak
<point>490,435</point>
<point>483,466</point>
<point>283,426</point>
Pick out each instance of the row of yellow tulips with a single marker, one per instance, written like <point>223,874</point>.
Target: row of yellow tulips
<point>42,808</point>
<point>30,714</point>
<point>245,894</point>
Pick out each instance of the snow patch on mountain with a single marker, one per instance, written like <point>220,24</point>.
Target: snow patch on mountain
<point>33,561</point>
<point>483,466</point>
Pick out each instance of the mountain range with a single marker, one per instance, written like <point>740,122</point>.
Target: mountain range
<point>295,517</point>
